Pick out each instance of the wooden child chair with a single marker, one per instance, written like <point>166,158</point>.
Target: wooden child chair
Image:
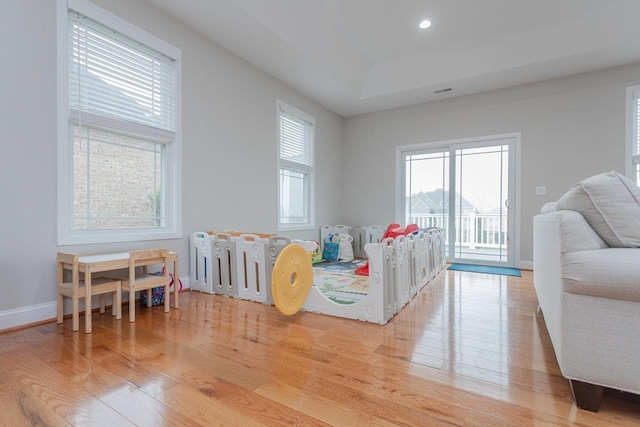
<point>143,281</point>
<point>75,289</point>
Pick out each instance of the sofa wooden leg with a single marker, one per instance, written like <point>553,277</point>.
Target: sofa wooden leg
<point>587,396</point>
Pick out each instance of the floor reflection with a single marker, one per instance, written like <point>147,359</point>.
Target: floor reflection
<point>479,326</point>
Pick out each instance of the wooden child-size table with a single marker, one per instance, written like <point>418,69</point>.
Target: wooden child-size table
<point>90,264</point>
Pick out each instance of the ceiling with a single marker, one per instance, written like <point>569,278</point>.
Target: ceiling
<point>360,56</point>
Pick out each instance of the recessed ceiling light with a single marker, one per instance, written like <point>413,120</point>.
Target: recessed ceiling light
<point>425,24</point>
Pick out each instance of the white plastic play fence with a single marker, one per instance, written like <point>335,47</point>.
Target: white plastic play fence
<point>241,267</point>
<point>200,262</point>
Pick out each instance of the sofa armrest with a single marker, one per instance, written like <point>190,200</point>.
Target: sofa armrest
<point>554,234</point>
<point>547,273</point>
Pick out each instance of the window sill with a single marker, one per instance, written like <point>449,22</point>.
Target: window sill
<point>110,236</point>
<point>301,227</point>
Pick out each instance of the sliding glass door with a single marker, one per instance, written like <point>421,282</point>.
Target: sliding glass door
<point>465,187</point>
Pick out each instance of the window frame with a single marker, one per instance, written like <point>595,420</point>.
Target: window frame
<point>631,130</point>
<point>296,167</point>
<point>66,234</point>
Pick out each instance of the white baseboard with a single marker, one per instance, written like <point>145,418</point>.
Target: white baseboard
<point>527,265</point>
<point>48,310</point>
<point>26,315</point>
<point>186,282</point>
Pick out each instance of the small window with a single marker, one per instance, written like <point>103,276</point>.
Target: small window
<point>295,169</point>
<point>633,133</point>
<point>119,158</point>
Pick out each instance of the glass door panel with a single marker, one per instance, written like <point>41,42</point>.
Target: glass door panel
<point>427,190</point>
<point>481,204</point>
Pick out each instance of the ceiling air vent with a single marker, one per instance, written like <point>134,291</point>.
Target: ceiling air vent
<point>443,90</point>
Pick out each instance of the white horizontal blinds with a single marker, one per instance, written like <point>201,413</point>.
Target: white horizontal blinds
<point>296,140</point>
<point>114,80</point>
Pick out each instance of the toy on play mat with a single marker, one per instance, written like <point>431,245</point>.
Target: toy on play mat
<point>346,247</point>
<point>331,251</point>
<point>316,255</point>
<point>393,231</point>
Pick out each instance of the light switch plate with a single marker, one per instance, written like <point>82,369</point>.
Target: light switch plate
<point>541,190</point>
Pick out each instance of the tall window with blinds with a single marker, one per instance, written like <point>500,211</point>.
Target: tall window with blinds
<point>633,113</point>
<point>122,126</point>
<point>296,134</point>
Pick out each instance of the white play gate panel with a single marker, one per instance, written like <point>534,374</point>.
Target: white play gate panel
<point>200,262</point>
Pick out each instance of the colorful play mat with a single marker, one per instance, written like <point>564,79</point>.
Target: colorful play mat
<point>338,282</point>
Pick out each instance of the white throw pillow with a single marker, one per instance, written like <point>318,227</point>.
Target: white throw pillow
<point>610,203</point>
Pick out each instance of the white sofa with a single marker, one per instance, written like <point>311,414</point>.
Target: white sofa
<point>587,278</point>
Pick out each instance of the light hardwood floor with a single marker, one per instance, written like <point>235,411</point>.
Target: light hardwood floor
<point>470,349</point>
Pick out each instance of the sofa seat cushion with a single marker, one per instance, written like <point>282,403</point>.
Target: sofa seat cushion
<point>610,203</point>
<point>607,273</point>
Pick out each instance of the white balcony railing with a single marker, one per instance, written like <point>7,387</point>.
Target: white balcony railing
<point>472,230</point>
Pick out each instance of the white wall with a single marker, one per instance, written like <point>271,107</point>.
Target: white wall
<point>571,128</point>
<point>27,135</point>
<point>229,148</point>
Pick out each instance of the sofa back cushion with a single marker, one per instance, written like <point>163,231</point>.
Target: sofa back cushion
<point>610,203</point>
<point>576,233</point>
